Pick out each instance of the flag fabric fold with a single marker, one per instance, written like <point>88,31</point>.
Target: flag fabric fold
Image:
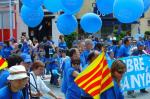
<point>96,78</point>
<point>3,63</point>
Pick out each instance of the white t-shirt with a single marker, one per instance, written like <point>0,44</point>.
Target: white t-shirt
<point>41,86</point>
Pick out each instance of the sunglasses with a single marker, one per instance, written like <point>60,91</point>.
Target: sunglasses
<point>120,71</point>
<point>76,63</point>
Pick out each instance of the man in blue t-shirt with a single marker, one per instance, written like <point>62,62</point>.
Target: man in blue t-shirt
<point>86,52</point>
<point>17,80</point>
<point>12,60</point>
<point>73,53</point>
<point>124,50</point>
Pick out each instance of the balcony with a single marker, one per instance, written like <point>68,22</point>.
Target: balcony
<point>108,17</point>
<point>4,5</point>
<point>6,2</point>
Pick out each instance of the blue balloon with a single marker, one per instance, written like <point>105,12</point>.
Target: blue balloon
<point>105,6</point>
<point>53,5</point>
<point>32,17</point>
<point>72,6</point>
<point>32,3</point>
<point>91,23</point>
<point>127,11</point>
<point>146,5</point>
<point>66,24</point>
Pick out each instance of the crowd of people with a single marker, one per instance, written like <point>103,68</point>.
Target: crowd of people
<point>29,62</point>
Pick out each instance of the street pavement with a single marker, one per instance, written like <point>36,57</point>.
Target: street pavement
<point>58,92</point>
<point>140,95</point>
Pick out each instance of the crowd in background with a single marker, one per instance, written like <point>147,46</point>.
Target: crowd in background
<point>62,62</point>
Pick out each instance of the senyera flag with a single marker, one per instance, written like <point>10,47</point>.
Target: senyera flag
<point>3,63</point>
<point>96,78</point>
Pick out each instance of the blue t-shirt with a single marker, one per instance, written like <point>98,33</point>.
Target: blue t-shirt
<point>83,57</point>
<point>1,53</point>
<point>147,43</point>
<point>116,51</point>
<point>114,92</point>
<point>25,48</point>
<point>7,51</point>
<point>64,86</point>
<point>3,78</point>
<point>124,51</point>
<point>62,45</point>
<point>42,59</point>
<point>6,93</point>
<point>73,91</point>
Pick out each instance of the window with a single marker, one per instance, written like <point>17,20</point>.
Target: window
<point>4,20</point>
<point>148,22</point>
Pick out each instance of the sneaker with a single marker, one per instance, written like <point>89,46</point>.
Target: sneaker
<point>58,86</point>
<point>144,91</point>
<point>131,96</point>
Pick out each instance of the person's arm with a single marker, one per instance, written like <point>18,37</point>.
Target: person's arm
<point>37,94</point>
<point>45,89</point>
<point>53,95</point>
<point>75,73</point>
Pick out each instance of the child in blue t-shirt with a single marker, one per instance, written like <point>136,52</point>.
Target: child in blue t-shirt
<point>54,68</point>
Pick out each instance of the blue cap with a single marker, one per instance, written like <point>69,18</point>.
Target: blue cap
<point>140,44</point>
<point>125,39</point>
<point>26,58</point>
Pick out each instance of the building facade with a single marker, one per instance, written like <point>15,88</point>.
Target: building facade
<point>15,27</point>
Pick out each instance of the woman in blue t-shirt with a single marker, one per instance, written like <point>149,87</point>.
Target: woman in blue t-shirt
<point>118,68</point>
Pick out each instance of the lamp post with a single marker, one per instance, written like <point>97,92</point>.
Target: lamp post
<point>10,19</point>
<point>2,27</point>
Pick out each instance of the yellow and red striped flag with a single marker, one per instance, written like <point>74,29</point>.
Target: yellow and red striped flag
<point>96,78</point>
<point>3,63</point>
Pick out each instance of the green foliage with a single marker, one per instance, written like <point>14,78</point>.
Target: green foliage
<point>70,38</point>
<point>147,32</point>
<point>119,36</point>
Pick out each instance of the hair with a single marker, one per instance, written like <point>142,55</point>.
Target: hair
<point>92,55</point>
<point>98,46</point>
<point>14,60</point>
<point>61,36</point>
<point>7,43</point>
<point>125,40</point>
<point>88,41</point>
<point>36,41</point>
<point>72,51</point>
<point>37,64</point>
<point>117,64</point>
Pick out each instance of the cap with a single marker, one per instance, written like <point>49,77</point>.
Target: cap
<point>140,44</point>
<point>26,57</point>
<point>17,72</point>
